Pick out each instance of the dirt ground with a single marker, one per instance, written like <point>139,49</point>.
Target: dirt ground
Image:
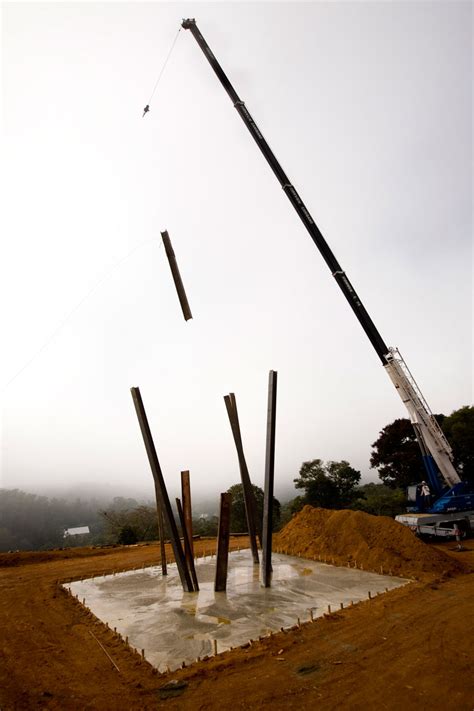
<point>411,648</point>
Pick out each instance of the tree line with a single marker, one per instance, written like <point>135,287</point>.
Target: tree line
<point>31,522</point>
<point>397,458</point>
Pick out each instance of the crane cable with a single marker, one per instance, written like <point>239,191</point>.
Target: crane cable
<point>147,107</point>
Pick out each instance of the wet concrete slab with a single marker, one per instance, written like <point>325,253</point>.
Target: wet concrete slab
<point>173,626</point>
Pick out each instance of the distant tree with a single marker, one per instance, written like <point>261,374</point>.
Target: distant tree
<point>142,520</point>
<point>238,519</point>
<point>31,522</point>
<point>459,429</point>
<point>379,500</point>
<point>328,484</point>
<point>289,509</point>
<point>127,536</point>
<point>205,526</point>
<point>396,455</point>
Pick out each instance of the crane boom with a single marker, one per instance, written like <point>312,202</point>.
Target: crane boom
<point>426,427</point>
<point>291,193</point>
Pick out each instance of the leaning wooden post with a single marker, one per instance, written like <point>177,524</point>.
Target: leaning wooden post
<point>222,556</point>
<point>269,478</point>
<point>187,510</point>
<point>249,498</point>
<point>160,491</point>
<point>178,282</point>
<point>187,548</point>
<point>161,531</point>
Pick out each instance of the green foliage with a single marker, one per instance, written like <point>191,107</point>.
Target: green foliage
<point>380,500</point>
<point>397,456</point>
<point>30,522</point>
<point>205,526</point>
<point>238,519</point>
<point>289,509</point>
<point>127,536</point>
<point>141,520</point>
<point>329,485</point>
<point>459,429</point>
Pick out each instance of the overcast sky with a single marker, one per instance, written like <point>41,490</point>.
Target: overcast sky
<point>368,108</point>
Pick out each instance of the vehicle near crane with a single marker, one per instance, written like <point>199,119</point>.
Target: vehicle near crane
<point>453,498</point>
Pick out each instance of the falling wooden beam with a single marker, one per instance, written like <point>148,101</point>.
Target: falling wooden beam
<point>269,478</point>
<point>162,498</point>
<point>187,547</point>
<point>178,282</point>
<point>249,498</point>
<point>223,536</point>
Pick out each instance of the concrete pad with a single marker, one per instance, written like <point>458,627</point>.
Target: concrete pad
<point>173,626</point>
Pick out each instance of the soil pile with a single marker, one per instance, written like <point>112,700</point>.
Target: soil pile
<point>355,537</point>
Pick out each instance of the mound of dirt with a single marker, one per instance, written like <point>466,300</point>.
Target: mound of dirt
<point>355,537</point>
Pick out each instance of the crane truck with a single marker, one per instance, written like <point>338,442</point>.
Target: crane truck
<point>453,498</point>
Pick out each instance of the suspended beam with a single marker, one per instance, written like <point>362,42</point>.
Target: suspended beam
<point>249,498</point>
<point>223,537</point>
<point>187,548</point>
<point>162,498</point>
<point>178,282</point>
<point>269,478</point>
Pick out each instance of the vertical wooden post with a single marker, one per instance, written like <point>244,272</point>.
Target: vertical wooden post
<point>269,478</point>
<point>178,282</point>
<point>249,498</point>
<point>187,510</point>
<point>161,531</point>
<point>222,556</point>
<point>187,550</point>
<point>161,492</point>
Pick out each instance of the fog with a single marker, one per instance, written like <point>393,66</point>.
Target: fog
<point>368,108</point>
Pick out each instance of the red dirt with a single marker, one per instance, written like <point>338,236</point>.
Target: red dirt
<point>410,648</point>
<point>373,542</point>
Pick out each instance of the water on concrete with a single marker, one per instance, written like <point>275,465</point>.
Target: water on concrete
<point>173,626</point>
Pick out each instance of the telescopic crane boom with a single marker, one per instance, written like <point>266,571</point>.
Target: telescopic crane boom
<point>431,439</point>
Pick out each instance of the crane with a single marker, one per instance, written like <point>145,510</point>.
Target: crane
<point>436,450</point>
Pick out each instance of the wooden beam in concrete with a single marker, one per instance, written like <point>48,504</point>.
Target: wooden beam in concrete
<point>161,493</point>
<point>269,479</point>
<point>223,537</point>
<point>161,532</point>
<point>249,498</point>
<point>187,548</point>
<point>187,509</point>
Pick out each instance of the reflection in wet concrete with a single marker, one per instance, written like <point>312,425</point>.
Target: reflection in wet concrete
<point>173,626</point>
